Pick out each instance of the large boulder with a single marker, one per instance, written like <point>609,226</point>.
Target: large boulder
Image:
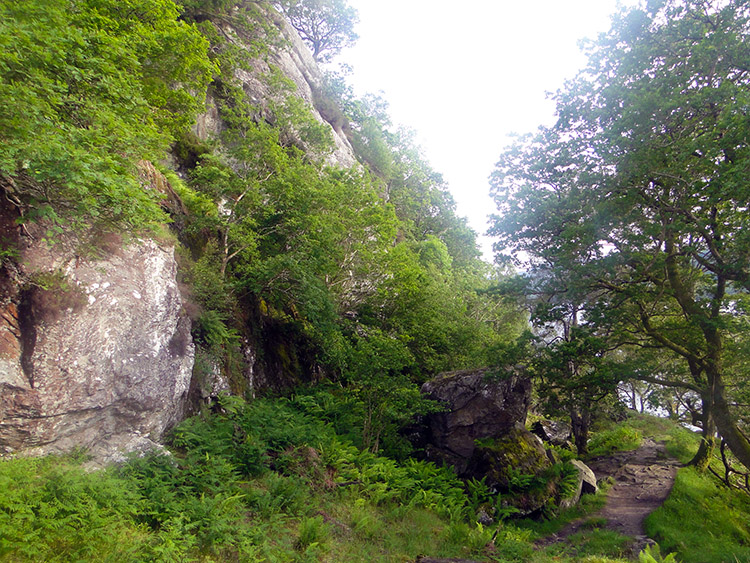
<point>554,432</point>
<point>515,464</point>
<point>503,461</point>
<point>478,404</point>
<point>94,353</point>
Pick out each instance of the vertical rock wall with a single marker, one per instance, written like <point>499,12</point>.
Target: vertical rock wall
<point>97,353</point>
<point>93,353</point>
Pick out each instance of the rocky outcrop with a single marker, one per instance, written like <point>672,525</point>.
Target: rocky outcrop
<point>94,353</point>
<point>586,477</point>
<point>478,405</point>
<point>293,60</point>
<point>515,465</point>
<point>554,432</point>
<point>481,434</point>
<point>517,452</point>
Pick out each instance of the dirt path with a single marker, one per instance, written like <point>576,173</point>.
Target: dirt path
<point>643,480</point>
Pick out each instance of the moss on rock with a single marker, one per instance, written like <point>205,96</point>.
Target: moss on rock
<point>516,465</point>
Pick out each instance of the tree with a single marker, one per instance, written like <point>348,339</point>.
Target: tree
<point>327,26</point>
<point>87,89</point>
<point>570,360</point>
<point>641,189</point>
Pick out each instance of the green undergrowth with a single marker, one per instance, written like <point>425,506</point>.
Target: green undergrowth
<point>702,520</point>
<point>622,437</point>
<point>268,481</point>
<point>588,505</point>
<point>610,437</point>
<point>596,542</point>
<point>260,481</point>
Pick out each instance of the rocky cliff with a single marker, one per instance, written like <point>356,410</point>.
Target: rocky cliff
<point>96,350</point>
<point>288,55</point>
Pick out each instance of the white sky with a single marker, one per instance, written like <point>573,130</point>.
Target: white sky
<point>466,75</point>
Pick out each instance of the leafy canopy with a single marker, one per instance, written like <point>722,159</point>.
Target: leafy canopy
<point>327,26</point>
<point>87,89</point>
<point>639,193</point>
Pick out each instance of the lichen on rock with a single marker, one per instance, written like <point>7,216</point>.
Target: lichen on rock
<point>112,368</point>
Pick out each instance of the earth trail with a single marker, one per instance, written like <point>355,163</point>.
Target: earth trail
<point>643,481</point>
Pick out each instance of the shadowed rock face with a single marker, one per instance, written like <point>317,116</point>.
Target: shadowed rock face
<point>482,435</point>
<point>478,405</point>
<point>99,357</point>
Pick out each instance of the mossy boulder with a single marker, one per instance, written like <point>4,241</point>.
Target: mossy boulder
<point>479,404</point>
<point>516,465</point>
<point>501,460</point>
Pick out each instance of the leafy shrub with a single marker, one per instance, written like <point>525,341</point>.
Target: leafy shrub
<point>85,93</point>
<point>50,511</point>
<point>312,532</point>
<point>478,493</point>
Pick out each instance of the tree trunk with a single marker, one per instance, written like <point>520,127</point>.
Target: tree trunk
<point>580,423</point>
<point>726,424</point>
<point>702,457</point>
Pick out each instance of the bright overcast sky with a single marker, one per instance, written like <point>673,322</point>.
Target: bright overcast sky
<point>466,75</point>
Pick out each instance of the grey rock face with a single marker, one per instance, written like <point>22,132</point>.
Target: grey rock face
<point>100,358</point>
<point>295,61</point>
<point>586,484</point>
<point>554,432</point>
<point>478,405</point>
<point>587,477</point>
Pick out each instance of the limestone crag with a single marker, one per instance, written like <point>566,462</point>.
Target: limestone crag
<point>101,357</point>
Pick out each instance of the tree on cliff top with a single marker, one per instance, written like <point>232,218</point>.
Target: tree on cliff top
<point>327,26</point>
<point>641,190</point>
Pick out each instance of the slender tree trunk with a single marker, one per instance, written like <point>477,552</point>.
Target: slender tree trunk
<point>726,424</point>
<point>580,422</point>
<point>225,252</point>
